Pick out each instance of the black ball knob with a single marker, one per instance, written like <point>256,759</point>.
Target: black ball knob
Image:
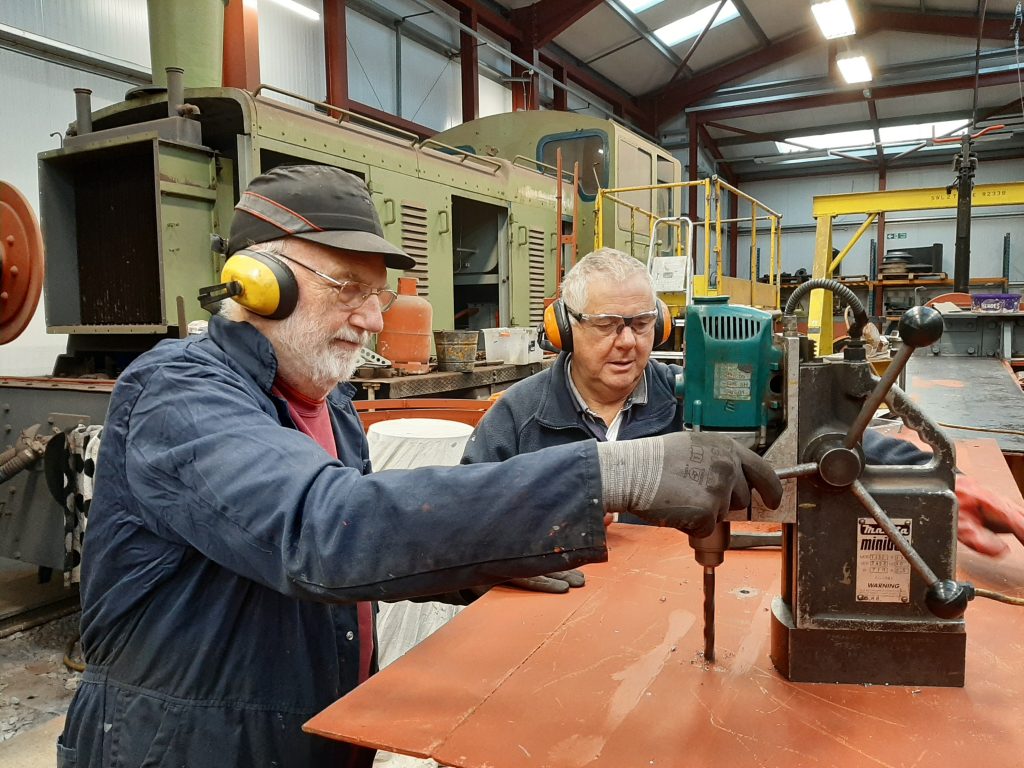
<point>920,326</point>
<point>948,599</point>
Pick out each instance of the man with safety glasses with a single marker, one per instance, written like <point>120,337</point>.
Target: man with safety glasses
<point>603,386</point>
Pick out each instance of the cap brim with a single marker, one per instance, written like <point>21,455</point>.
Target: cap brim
<point>362,242</point>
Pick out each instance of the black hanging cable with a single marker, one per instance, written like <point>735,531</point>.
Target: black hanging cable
<point>982,7</point>
<point>1018,20</point>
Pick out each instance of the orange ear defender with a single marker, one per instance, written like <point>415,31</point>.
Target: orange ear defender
<point>559,331</point>
<point>259,281</point>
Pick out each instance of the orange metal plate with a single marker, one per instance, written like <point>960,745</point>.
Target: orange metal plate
<point>612,675</point>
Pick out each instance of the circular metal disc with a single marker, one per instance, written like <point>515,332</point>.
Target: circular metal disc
<point>21,263</point>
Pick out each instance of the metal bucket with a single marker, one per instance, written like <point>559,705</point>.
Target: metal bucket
<point>456,350</point>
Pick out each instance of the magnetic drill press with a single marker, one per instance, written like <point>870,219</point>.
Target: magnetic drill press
<point>868,590</point>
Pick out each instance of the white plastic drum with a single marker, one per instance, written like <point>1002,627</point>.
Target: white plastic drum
<point>411,443</point>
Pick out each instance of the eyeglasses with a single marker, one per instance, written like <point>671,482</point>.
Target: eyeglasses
<point>351,293</point>
<point>612,325</point>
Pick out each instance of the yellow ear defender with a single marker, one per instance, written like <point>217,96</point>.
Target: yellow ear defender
<point>259,281</point>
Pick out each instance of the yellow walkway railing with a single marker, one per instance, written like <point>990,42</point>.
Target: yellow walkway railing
<point>713,281</point>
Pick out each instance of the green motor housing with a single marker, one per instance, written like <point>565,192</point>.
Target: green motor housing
<point>733,370</point>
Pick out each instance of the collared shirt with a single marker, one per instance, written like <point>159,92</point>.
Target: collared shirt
<point>596,425</point>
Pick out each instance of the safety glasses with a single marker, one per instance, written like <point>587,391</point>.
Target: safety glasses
<point>612,325</point>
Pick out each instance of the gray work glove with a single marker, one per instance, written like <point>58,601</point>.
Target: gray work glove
<point>556,582</point>
<point>685,480</point>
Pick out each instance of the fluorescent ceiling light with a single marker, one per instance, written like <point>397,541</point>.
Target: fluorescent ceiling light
<point>693,25</point>
<point>298,8</point>
<point>833,16</point>
<point>640,5</point>
<point>854,69</point>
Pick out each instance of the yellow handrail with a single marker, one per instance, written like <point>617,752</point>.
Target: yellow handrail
<point>715,190</point>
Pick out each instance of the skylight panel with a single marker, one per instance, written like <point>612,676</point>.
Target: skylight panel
<point>838,140</point>
<point>849,141</point>
<point>902,133</point>
<point>636,6</point>
<point>693,25</point>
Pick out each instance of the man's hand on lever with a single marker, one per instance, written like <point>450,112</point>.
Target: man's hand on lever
<point>685,480</point>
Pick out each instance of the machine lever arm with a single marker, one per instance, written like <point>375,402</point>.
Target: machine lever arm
<point>919,327</point>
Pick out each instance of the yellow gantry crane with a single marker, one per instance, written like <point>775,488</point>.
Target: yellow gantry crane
<point>872,205</point>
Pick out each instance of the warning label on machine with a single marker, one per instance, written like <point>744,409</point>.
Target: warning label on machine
<point>732,381</point>
<point>883,574</point>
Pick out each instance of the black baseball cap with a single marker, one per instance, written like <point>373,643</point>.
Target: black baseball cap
<point>319,203</point>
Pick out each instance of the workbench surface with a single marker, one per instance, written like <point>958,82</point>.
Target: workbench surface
<point>613,675</point>
<point>972,392</point>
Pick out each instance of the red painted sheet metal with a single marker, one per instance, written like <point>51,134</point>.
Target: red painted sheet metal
<point>612,675</point>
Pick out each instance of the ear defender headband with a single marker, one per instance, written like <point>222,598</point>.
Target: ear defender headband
<point>558,329</point>
<point>259,281</point>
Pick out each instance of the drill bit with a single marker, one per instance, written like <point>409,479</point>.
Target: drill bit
<point>709,613</point>
<point>709,552</point>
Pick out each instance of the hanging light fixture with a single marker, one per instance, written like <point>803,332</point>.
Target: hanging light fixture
<point>854,67</point>
<point>834,18</point>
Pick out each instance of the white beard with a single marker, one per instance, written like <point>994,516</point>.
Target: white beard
<point>305,340</point>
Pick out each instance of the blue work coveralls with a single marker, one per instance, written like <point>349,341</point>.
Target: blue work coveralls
<point>225,551</point>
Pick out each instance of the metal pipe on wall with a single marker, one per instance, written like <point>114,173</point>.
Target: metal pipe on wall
<point>398,66</point>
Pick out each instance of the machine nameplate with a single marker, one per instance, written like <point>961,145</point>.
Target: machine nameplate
<point>733,381</point>
<point>883,574</point>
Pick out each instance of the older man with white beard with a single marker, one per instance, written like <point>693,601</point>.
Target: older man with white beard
<point>237,538</point>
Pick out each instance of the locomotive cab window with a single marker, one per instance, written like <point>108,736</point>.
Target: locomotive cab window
<point>635,169</point>
<point>590,148</point>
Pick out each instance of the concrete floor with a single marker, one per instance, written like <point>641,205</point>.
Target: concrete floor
<point>35,686</point>
<point>33,748</point>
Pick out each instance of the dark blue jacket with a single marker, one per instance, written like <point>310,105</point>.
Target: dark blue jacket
<point>225,551</point>
<point>540,411</point>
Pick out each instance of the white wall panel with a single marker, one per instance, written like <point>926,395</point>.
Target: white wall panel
<point>116,28</point>
<point>46,104</point>
<point>495,98</point>
<point>292,51</point>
